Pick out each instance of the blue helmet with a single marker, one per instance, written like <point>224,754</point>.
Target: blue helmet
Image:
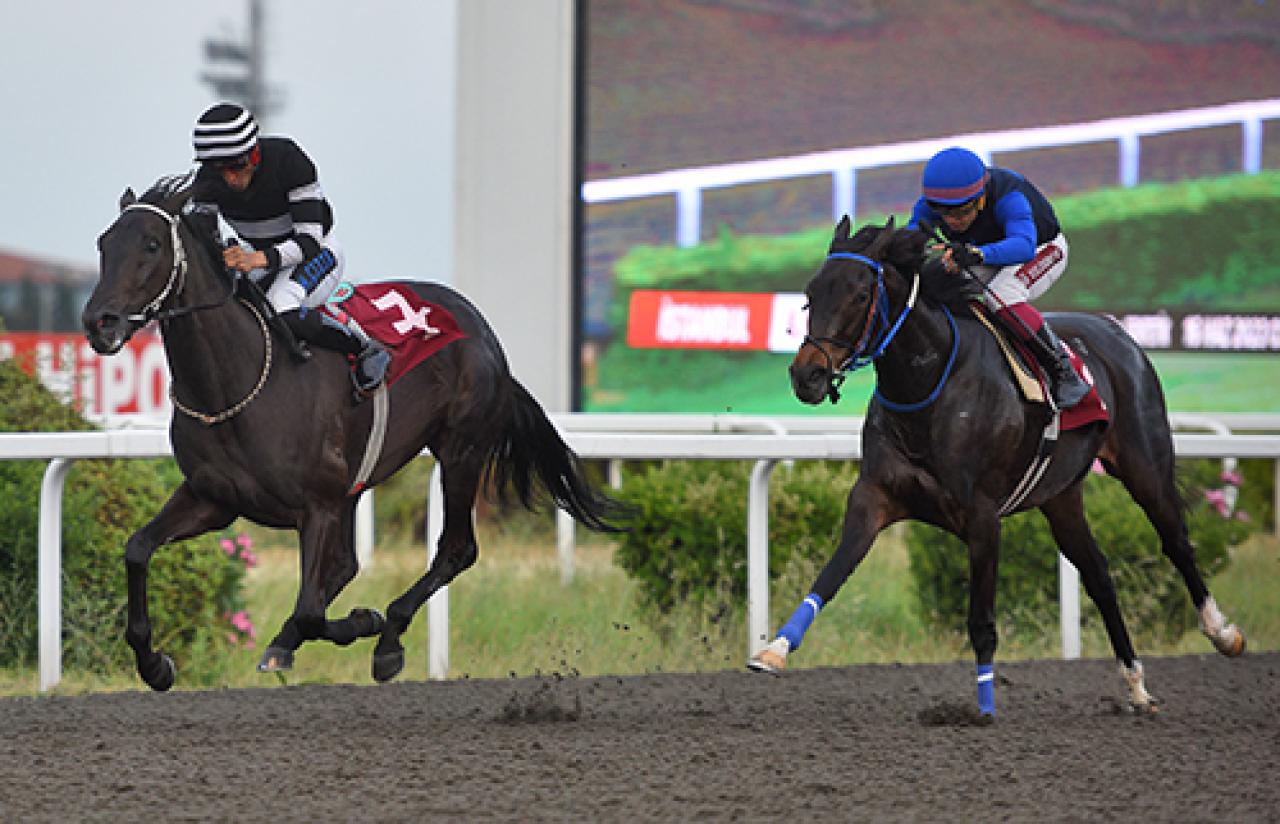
<point>954,175</point>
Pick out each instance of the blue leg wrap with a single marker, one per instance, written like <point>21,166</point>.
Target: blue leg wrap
<point>798,624</point>
<point>986,689</point>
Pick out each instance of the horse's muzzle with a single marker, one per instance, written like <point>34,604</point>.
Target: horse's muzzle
<point>811,382</point>
<point>107,332</point>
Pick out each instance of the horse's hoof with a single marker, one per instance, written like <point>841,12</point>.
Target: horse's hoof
<point>276,659</point>
<point>387,665</point>
<point>1230,642</point>
<point>161,676</point>
<point>1151,707</point>
<point>772,659</point>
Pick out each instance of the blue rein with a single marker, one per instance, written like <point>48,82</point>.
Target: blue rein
<point>879,342</point>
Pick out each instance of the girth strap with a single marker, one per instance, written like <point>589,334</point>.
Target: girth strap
<point>1036,469</point>
<point>373,447</point>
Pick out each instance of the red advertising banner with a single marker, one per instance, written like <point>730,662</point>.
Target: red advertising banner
<point>699,320</point>
<point>134,381</point>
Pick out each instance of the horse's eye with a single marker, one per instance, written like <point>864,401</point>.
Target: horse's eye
<point>153,245</point>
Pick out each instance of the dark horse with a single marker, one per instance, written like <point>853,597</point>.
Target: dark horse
<point>288,442</point>
<point>948,438</point>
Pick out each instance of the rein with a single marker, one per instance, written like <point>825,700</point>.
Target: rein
<point>232,411</point>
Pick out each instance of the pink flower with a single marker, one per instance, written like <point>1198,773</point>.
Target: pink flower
<point>1231,477</point>
<point>250,560</point>
<point>228,547</point>
<point>241,622</point>
<point>1098,468</point>
<point>1218,499</point>
<point>244,542</point>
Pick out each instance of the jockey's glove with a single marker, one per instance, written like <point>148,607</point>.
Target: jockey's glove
<point>966,255</point>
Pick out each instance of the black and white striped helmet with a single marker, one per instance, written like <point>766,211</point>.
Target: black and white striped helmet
<point>224,132</point>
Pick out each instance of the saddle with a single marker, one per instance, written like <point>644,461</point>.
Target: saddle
<point>1029,382</point>
<point>1032,382</point>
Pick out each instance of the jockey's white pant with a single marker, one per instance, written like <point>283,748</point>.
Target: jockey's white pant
<point>1024,282</point>
<point>286,293</point>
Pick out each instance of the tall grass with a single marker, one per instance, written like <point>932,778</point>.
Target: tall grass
<point>511,615</point>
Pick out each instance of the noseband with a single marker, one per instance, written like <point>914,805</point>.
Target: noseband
<point>869,346</point>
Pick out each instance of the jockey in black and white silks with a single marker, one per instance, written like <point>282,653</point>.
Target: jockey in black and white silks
<point>268,190</point>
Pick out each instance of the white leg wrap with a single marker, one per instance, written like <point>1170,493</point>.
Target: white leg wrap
<point>773,658</point>
<point>1139,698</point>
<point>1226,637</point>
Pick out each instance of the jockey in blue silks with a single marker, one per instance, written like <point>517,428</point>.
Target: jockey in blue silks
<point>1004,231</point>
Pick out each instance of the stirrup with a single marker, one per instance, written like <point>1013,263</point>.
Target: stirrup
<point>370,368</point>
<point>1068,387</point>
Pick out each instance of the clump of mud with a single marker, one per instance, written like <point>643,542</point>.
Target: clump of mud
<point>949,714</point>
<point>542,706</point>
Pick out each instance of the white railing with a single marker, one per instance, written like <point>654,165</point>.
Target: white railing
<point>843,165</point>
<point>592,437</point>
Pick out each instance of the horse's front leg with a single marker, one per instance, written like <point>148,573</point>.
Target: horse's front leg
<point>983,538</point>
<point>866,514</point>
<point>184,515</point>
<point>329,564</point>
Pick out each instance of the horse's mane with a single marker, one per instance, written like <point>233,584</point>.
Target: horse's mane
<point>167,188</point>
<point>906,252</point>
<point>176,191</point>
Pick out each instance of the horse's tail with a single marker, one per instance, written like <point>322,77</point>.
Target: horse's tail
<point>532,451</point>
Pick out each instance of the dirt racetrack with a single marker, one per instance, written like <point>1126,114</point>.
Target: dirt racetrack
<point>868,743</point>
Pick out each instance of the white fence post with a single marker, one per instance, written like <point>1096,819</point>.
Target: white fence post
<point>758,557</point>
<point>49,573</point>
<point>438,604</point>
<point>1069,607</point>
<point>364,529</point>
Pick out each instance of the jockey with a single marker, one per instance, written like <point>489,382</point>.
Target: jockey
<point>1005,231</point>
<point>268,191</point>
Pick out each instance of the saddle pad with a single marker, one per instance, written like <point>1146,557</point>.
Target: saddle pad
<point>1036,390</point>
<point>394,315</point>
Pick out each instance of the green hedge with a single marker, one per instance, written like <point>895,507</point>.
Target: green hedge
<point>688,540</point>
<point>195,586</point>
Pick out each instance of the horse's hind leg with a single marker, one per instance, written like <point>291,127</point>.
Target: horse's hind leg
<point>329,564</point>
<point>1071,531</point>
<point>184,515</point>
<point>456,552</point>
<point>1145,466</point>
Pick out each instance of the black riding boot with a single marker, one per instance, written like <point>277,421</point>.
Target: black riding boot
<point>316,327</point>
<point>1068,387</point>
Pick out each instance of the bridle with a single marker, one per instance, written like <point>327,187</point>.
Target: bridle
<point>877,331</point>
<point>173,286</point>
<point>177,275</point>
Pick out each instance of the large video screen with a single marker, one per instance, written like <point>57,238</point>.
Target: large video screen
<point>722,139</point>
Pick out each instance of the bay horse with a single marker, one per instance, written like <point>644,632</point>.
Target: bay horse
<point>289,441</point>
<point>948,439</point>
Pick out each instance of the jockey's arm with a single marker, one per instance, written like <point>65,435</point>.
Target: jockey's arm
<point>1013,213</point>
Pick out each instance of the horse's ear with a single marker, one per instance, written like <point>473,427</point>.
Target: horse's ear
<point>127,199</point>
<point>879,247</point>
<point>842,229</point>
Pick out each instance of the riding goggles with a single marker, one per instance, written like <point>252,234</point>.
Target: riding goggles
<point>953,209</point>
<point>239,164</point>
